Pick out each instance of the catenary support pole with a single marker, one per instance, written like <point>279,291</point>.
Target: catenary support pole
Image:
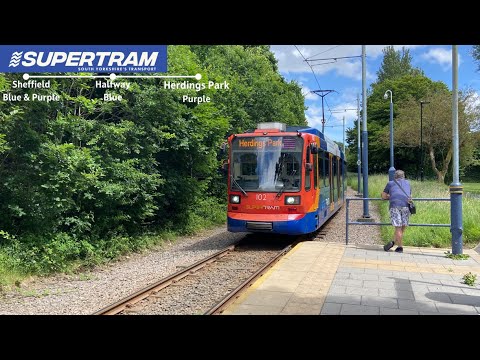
<point>342,166</point>
<point>421,141</point>
<point>364,134</point>
<point>456,188</point>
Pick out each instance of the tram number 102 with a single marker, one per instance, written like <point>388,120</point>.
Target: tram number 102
<point>260,196</point>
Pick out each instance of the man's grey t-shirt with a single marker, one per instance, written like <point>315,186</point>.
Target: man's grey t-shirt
<point>397,197</point>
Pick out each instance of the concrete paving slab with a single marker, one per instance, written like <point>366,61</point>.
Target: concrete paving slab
<point>331,279</point>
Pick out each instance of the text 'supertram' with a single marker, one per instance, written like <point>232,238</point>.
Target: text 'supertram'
<point>283,179</point>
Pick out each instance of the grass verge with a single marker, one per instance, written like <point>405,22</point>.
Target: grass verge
<point>21,258</point>
<point>431,212</point>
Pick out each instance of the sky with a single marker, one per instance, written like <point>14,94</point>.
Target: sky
<point>345,76</point>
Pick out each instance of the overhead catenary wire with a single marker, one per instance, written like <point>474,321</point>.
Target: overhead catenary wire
<point>322,59</point>
<point>330,62</point>
<point>323,52</point>
<point>313,72</point>
<point>336,58</point>
<point>342,110</point>
<point>314,75</point>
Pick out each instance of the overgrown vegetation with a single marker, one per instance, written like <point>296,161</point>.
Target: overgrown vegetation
<point>410,86</point>
<point>472,188</point>
<point>469,279</point>
<point>449,255</point>
<point>428,212</point>
<point>83,180</point>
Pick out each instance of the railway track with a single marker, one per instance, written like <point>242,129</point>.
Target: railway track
<point>235,294</point>
<point>153,289</point>
<point>203,283</point>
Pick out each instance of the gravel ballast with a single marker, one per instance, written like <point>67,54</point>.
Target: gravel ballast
<point>90,291</point>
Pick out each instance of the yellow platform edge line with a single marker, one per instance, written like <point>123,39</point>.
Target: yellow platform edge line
<point>258,282</point>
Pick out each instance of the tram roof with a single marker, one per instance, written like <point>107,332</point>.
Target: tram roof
<point>328,144</point>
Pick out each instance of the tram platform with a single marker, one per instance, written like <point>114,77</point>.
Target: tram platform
<point>319,278</point>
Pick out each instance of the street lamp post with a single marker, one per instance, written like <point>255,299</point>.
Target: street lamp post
<point>391,171</point>
<point>421,138</point>
<point>359,152</point>
<point>456,188</point>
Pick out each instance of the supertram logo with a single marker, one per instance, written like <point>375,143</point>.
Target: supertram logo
<point>84,58</point>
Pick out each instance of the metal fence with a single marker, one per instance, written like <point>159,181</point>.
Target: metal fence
<point>382,224</point>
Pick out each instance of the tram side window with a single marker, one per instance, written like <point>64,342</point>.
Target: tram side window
<point>308,183</point>
<point>334,176</point>
<point>340,177</point>
<point>337,172</point>
<point>315,171</point>
<point>327,170</point>
<point>340,185</point>
<point>321,181</point>
<point>322,167</point>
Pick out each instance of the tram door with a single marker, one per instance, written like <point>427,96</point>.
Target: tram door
<point>335,178</point>
<point>332,181</point>
<point>309,178</point>
<point>341,176</point>
<point>316,184</point>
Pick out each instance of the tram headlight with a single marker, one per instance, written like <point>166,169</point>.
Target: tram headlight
<point>292,200</point>
<point>235,199</point>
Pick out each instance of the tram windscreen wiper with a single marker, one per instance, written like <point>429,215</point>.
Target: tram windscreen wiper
<point>281,191</point>
<point>238,186</point>
<point>283,187</point>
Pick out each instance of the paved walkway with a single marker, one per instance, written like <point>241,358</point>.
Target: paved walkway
<point>318,278</point>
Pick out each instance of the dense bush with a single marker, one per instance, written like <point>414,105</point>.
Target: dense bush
<point>83,180</point>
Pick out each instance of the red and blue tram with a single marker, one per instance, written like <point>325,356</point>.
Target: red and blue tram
<point>283,179</point>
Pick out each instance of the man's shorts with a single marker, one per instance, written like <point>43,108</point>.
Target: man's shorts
<point>399,216</point>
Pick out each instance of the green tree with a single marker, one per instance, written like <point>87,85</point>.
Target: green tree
<point>396,64</point>
<point>82,176</point>
<point>474,170</point>
<point>261,93</point>
<point>437,130</point>
<point>378,109</point>
<point>340,145</point>
<point>476,55</point>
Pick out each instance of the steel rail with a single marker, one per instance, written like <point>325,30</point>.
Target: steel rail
<point>235,294</point>
<point>150,290</point>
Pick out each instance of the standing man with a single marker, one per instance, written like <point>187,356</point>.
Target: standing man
<point>399,212</point>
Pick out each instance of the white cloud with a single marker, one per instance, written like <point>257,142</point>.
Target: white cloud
<point>473,106</point>
<point>349,95</point>
<point>314,116</point>
<point>440,56</point>
<point>307,92</point>
<point>374,51</point>
<point>302,79</point>
<point>290,61</point>
<point>349,110</point>
<point>306,51</point>
<point>473,103</point>
<point>314,110</point>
